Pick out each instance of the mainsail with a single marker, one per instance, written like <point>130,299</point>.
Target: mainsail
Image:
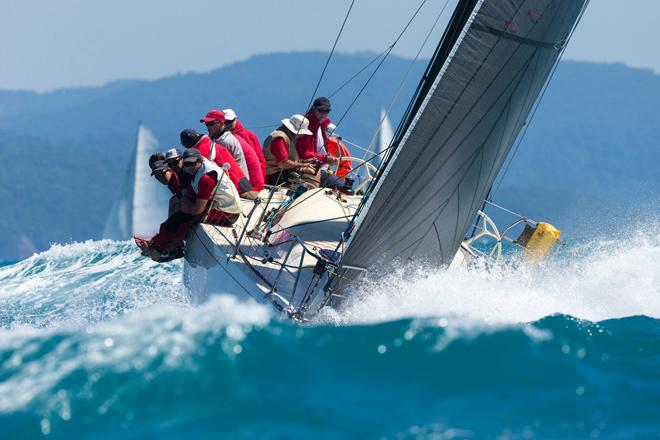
<point>484,78</point>
<point>142,203</point>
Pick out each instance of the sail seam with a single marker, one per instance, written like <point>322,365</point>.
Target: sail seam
<point>437,235</point>
<point>520,73</point>
<point>457,192</point>
<point>413,123</point>
<point>430,97</point>
<point>425,183</point>
<point>518,39</point>
<point>451,178</point>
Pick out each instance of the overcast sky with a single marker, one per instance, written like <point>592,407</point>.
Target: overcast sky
<point>49,44</point>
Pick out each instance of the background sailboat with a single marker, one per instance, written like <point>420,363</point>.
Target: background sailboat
<point>142,202</point>
<point>385,136</point>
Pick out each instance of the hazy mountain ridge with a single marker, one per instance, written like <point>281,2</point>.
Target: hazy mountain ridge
<point>594,136</point>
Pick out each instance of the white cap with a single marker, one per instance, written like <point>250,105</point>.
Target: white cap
<point>172,153</point>
<point>330,129</point>
<point>230,114</point>
<point>297,124</point>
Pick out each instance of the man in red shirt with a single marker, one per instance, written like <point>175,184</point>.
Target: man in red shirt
<point>165,175</point>
<point>215,125</point>
<point>210,197</point>
<point>219,154</point>
<point>281,153</point>
<point>311,148</point>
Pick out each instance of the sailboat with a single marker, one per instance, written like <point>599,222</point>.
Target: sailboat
<point>304,252</point>
<point>385,136</point>
<point>142,202</point>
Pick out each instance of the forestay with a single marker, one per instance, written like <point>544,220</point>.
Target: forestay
<point>484,78</point>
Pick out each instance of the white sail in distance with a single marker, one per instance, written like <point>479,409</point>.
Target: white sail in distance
<point>384,136</point>
<point>143,201</point>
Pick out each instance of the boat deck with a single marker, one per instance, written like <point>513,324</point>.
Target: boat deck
<point>276,251</point>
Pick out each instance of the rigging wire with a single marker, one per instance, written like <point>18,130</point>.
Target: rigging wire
<point>389,50</point>
<point>384,57</point>
<point>327,62</point>
<point>348,81</point>
<point>332,51</point>
<point>404,79</point>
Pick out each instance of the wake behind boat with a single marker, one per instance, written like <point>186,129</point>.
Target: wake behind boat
<point>301,250</point>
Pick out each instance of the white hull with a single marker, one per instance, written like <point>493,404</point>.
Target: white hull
<point>282,261</point>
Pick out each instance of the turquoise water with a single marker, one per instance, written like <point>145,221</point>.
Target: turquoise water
<point>98,342</point>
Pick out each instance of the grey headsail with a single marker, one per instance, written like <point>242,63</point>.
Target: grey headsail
<point>485,76</point>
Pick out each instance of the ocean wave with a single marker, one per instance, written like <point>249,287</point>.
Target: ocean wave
<point>96,340</point>
<point>85,282</point>
<point>231,367</point>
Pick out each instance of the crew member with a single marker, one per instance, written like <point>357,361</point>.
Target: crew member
<point>220,155</point>
<point>336,147</point>
<point>280,151</point>
<point>178,181</point>
<point>165,175</point>
<point>251,157</point>
<point>311,148</point>
<point>215,124</point>
<point>210,197</point>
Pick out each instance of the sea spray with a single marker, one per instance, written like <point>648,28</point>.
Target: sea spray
<point>97,341</point>
<point>595,281</point>
<point>85,282</point>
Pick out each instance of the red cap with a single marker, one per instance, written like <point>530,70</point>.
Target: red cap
<point>213,115</point>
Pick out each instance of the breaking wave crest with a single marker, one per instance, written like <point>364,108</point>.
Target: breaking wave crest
<point>86,282</point>
<point>96,340</point>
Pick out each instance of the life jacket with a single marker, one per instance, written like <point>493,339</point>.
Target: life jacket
<point>271,163</point>
<point>307,144</point>
<point>337,148</point>
<point>225,196</point>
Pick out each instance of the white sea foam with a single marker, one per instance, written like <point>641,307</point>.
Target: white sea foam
<point>151,341</point>
<point>94,281</point>
<point>100,306</point>
<point>593,281</point>
<point>85,282</point>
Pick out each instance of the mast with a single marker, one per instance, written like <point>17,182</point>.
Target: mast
<point>485,76</point>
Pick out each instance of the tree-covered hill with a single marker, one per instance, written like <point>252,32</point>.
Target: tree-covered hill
<point>591,147</point>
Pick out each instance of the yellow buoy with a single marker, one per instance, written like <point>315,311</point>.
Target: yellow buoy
<point>541,242</point>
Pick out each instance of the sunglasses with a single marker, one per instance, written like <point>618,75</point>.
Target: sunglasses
<point>323,109</point>
<point>189,164</point>
<point>160,174</point>
<point>211,123</point>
